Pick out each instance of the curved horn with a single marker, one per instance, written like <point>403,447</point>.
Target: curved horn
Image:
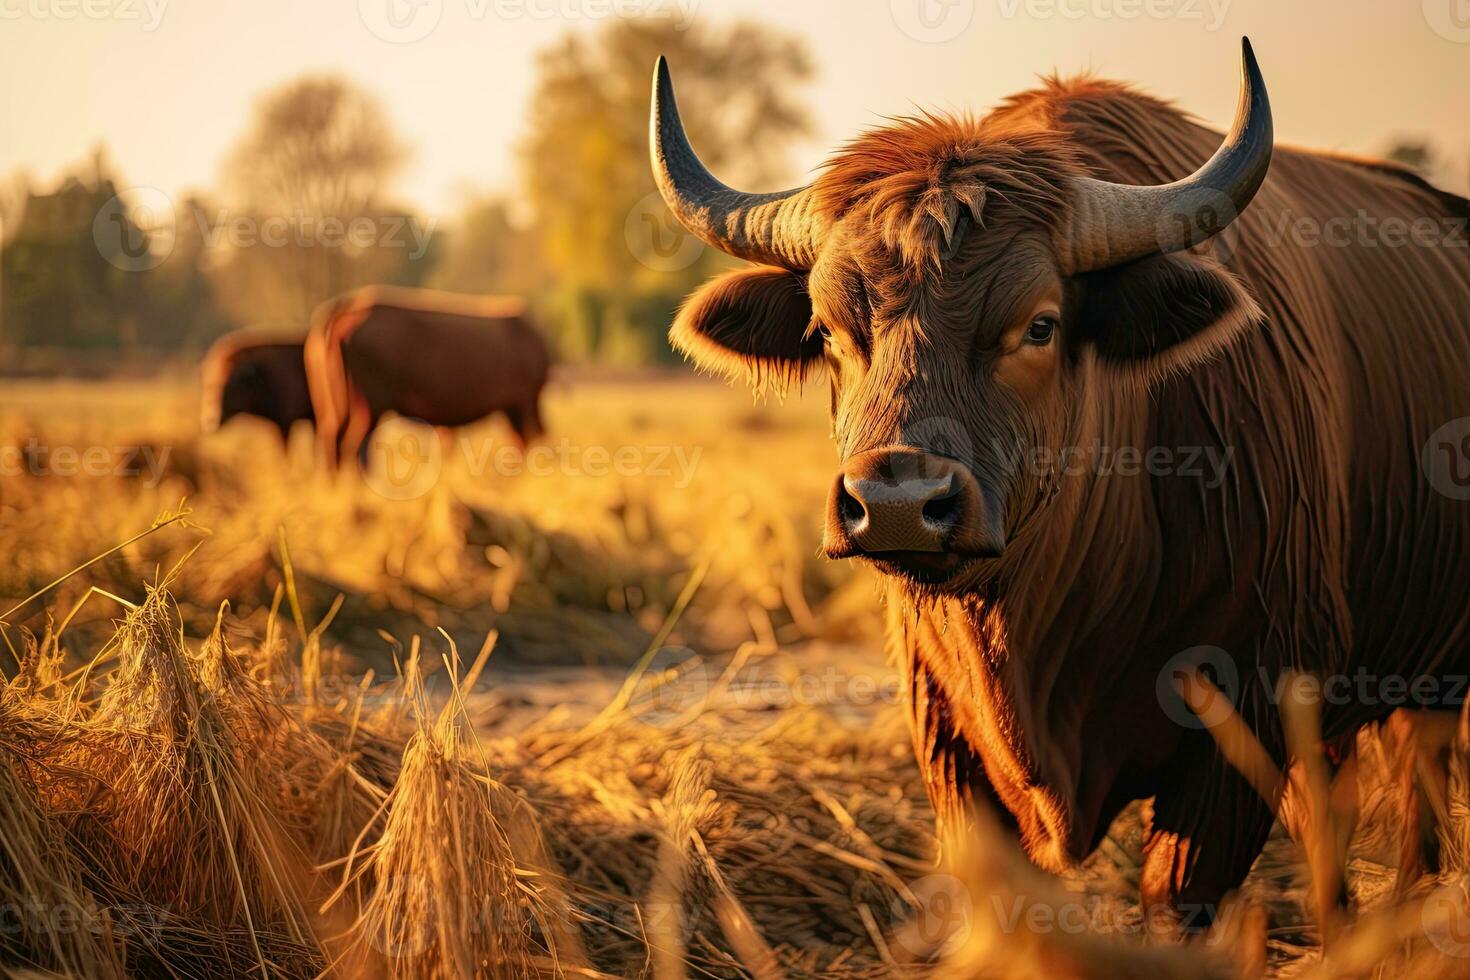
<point>777,229</point>
<point>1115,223</point>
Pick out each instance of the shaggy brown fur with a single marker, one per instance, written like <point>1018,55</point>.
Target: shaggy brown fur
<point>442,359</point>
<point>1041,680</point>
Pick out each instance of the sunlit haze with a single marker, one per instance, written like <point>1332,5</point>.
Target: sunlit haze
<point>167,85</point>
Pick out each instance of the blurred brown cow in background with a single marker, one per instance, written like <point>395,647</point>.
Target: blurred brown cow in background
<point>250,373</point>
<point>442,359</point>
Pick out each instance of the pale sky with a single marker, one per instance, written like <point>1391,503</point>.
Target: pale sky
<point>168,84</point>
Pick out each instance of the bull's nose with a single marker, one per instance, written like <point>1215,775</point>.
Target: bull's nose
<point>898,515</point>
<point>904,503</point>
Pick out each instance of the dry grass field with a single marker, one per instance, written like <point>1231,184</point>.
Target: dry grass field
<point>597,710</point>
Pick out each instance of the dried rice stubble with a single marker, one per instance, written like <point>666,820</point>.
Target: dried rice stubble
<point>52,923</point>
<point>188,828</point>
<point>798,864</point>
<point>462,884</point>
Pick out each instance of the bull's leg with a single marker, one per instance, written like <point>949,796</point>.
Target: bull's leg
<point>1345,799</point>
<point>525,422</point>
<point>328,437</point>
<point>365,447</point>
<point>534,427</point>
<point>360,424</point>
<point>1419,742</point>
<point>1436,737</point>
<point>515,416</point>
<point>1208,827</point>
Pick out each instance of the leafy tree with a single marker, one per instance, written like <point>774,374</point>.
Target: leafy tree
<point>89,265</point>
<point>586,174</point>
<point>316,161</point>
<point>13,194</point>
<point>183,304</point>
<point>487,251</point>
<point>59,288</point>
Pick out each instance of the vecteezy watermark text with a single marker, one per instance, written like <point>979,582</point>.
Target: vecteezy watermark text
<point>1207,463</point>
<point>1364,230</point>
<point>405,459</point>
<point>1360,687</point>
<point>147,13</point>
<point>407,21</point>
<point>37,458</point>
<point>307,230</point>
<point>138,229</point>
<point>1209,13</point>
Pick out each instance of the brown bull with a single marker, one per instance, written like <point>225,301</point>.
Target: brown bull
<point>248,373</point>
<point>442,359</point>
<point>1091,441</point>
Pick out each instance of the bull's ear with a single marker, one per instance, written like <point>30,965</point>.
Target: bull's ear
<point>752,324</point>
<point>1163,315</point>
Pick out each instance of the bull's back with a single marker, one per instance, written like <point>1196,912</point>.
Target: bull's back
<point>1394,258</point>
<point>1326,528</point>
<point>444,367</point>
<point>1329,405</point>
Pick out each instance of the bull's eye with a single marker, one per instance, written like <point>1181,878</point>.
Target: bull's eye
<point>1041,330</point>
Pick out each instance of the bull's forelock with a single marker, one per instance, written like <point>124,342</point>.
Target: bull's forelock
<point>922,185</point>
<point>932,228</point>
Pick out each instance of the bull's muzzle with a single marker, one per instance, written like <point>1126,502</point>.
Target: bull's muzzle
<point>909,509</point>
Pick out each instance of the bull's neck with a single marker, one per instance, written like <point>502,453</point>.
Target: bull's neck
<point>1018,655</point>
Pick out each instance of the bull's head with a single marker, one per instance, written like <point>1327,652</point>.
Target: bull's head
<point>967,287</point>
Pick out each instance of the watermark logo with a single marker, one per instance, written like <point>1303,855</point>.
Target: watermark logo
<point>932,21</point>
<point>1203,213</point>
<point>675,683</point>
<point>135,230</point>
<point>1446,920</point>
<point>657,239</point>
<point>1450,19</point>
<point>400,21</point>
<point>942,919</point>
<point>1445,459</point>
<point>405,459</point>
<point>1180,674</point>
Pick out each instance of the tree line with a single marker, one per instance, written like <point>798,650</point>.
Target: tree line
<point>305,208</point>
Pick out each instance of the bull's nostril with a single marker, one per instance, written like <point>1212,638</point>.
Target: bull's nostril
<point>849,508</point>
<point>943,509</point>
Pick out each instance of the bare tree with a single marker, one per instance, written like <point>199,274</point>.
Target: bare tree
<point>319,155</point>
